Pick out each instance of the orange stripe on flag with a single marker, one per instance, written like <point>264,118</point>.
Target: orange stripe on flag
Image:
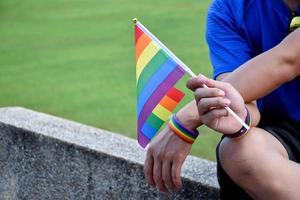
<point>168,103</point>
<point>141,44</point>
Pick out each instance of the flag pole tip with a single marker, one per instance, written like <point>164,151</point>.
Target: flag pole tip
<point>135,20</point>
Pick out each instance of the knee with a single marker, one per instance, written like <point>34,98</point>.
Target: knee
<point>238,157</point>
<point>251,163</point>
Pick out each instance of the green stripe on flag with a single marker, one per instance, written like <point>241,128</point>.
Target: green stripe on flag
<point>155,121</point>
<point>156,62</point>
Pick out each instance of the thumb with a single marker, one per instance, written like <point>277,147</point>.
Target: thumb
<point>204,81</point>
<point>196,82</point>
<point>193,83</point>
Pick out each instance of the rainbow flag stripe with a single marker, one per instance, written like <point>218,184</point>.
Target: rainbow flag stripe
<point>161,113</point>
<point>156,74</point>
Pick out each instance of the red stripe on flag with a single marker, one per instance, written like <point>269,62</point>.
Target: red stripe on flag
<point>138,33</point>
<point>175,94</point>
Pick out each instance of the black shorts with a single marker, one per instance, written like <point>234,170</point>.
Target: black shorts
<point>286,131</point>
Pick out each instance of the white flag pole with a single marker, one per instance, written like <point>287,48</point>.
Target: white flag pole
<point>183,66</point>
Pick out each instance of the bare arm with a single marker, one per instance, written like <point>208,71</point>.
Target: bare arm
<point>259,76</point>
<point>264,73</point>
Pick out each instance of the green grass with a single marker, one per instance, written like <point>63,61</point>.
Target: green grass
<point>76,59</point>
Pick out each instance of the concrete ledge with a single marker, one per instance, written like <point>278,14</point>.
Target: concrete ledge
<point>46,157</point>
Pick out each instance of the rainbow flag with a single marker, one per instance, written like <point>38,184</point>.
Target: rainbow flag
<point>157,71</point>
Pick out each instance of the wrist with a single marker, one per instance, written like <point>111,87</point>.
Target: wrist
<point>242,115</point>
<point>181,131</point>
<point>243,130</point>
<point>190,120</point>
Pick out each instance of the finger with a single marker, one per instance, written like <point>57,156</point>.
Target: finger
<point>157,175</point>
<point>201,80</point>
<point>176,169</point>
<point>208,92</point>
<point>148,169</point>
<point>213,115</point>
<point>213,83</point>
<point>205,104</point>
<point>193,83</point>
<point>167,175</point>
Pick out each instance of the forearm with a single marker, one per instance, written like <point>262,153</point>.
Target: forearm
<point>264,73</point>
<point>189,115</point>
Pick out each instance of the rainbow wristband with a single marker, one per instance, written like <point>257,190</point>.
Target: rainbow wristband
<point>181,131</point>
<point>243,131</point>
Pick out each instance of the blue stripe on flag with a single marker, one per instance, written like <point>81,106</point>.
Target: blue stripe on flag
<point>149,131</point>
<point>154,82</point>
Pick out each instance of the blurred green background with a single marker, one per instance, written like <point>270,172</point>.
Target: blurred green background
<point>76,58</point>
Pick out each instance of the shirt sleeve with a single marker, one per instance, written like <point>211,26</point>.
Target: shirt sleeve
<point>228,49</point>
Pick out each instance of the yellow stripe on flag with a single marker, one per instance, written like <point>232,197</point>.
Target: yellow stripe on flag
<point>145,57</point>
<point>161,112</point>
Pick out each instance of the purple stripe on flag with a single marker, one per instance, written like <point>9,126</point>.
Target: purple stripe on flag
<point>155,98</point>
<point>142,140</point>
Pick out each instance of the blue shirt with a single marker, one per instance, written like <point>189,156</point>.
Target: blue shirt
<point>238,30</point>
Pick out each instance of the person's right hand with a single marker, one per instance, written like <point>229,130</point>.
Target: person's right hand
<point>165,157</point>
<point>212,100</point>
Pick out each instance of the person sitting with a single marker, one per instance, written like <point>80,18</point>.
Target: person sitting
<point>256,65</point>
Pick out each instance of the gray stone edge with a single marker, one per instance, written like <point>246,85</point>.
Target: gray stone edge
<point>195,169</point>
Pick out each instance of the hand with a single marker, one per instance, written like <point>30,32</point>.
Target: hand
<point>212,101</point>
<point>165,156</point>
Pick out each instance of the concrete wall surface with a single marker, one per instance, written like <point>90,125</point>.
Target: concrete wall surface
<point>46,157</point>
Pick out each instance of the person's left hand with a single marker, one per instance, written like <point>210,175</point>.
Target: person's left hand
<point>211,102</point>
<point>165,157</point>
